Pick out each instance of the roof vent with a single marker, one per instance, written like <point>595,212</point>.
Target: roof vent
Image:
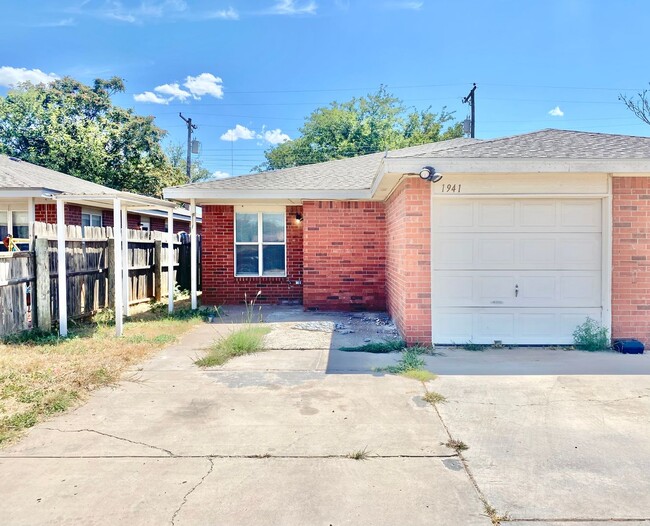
<point>15,159</point>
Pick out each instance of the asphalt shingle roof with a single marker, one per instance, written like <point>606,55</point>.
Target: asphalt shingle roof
<point>358,173</point>
<point>554,144</point>
<point>18,174</point>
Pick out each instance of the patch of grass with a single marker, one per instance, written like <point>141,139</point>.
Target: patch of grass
<point>434,398</point>
<point>493,515</point>
<point>475,347</point>
<point>419,374</point>
<point>238,343</point>
<point>409,361</point>
<point>359,454</point>
<point>387,346</point>
<point>42,374</point>
<point>590,336</point>
<point>456,445</point>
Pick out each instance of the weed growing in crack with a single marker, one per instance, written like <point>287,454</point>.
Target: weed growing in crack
<point>456,445</point>
<point>434,398</point>
<point>492,513</point>
<point>360,454</point>
<point>238,343</point>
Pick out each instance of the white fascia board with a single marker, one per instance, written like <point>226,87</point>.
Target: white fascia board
<point>25,192</point>
<point>214,196</point>
<point>519,165</point>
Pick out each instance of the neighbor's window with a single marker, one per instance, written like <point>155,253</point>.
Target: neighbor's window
<point>260,244</point>
<point>89,218</point>
<point>20,225</point>
<point>4,225</point>
<point>145,224</point>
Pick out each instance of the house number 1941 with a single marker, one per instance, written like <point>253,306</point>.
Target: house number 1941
<point>450,188</point>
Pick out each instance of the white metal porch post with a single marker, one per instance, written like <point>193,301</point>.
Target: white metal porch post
<point>31,217</point>
<point>193,253</point>
<point>61,267</point>
<point>117,267</point>
<point>170,259</point>
<point>125,261</point>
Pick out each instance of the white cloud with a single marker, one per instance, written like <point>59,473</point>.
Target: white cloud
<point>556,112</point>
<point>10,77</point>
<point>238,132</point>
<point>204,84</point>
<point>145,10</point>
<point>274,136</point>
<point>413,6</point>
<point>220,175</point>
<point>173,90</point>
<point>224,14</point>
<point>293,7</point>
<point>149,96</point>
<point>63,22</point>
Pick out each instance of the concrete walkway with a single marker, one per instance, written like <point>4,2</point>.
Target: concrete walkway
<point>266,438</point>
<point>263,440</point>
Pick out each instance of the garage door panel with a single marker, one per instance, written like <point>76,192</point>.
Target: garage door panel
<point>517,215</point>
<point>517,251</point>
<point>521,289</point>
<point>500,214</point>
<point>538,214</point>
<point>536,326</point>
<point>583,214</point>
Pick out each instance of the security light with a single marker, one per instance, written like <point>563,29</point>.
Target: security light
<point>428,173</point>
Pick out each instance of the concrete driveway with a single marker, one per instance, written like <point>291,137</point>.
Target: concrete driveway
<point>266,439</point>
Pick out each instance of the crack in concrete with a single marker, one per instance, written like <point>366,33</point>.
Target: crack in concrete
<point>212,456</point>
<point>578,521</point>
<point>173,519</point>
<point>468,472</point>
<point>558,401</point>
<point>169,453</point>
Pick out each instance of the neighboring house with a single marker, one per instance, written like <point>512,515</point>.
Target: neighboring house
<point>25,191</point>
<point>522,239</point>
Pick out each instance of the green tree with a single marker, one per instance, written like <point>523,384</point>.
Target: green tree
<point>177,155</point>
<point>76,129</point>
<point>374,123</point>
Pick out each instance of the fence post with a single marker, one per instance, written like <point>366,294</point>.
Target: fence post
<point>110,263</point>
<point>42,284</point>
<point>157,270</point>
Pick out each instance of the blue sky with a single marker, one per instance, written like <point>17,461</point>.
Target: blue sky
<point>257,68</point>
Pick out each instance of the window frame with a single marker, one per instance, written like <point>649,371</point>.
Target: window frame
<point>91,212</point>
<point>260,243</point>
<point>145,220</point>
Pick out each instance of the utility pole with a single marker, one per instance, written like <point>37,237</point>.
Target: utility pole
<point>190,127</point>
<point>472,104</point>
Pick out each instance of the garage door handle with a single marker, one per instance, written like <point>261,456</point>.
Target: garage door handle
<point>516,290</point>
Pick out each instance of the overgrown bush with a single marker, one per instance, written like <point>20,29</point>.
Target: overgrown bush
<point>590,336</point>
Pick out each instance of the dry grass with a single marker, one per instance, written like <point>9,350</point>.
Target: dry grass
<point>434,398</point>
<point>48,375</point>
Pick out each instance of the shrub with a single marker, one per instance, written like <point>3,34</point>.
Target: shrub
<point>590,336</point>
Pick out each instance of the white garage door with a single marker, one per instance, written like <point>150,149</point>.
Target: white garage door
<point>524,271</point>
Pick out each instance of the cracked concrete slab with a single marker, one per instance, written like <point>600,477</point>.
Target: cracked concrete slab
<point>294,492</point>
<point>321,415</point>
<point>94,491</point>
<point>555,447</point>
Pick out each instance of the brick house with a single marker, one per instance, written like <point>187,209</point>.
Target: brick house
<point>25,196</point>
<point>521,239</point>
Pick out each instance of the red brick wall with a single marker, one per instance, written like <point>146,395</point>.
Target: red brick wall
<point>218,279</point>
<point>408,259</point>
<point>631,259</point>
<point>344,254</point>
<point>132,220</point>
<point>47,214</point>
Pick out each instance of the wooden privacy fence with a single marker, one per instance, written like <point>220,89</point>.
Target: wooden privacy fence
<point>16,279</point>
<point>90,256</point>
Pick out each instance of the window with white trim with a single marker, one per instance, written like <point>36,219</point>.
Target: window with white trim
<point>91,218</point>
<point>145,223</point>
<point>260,243</point>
